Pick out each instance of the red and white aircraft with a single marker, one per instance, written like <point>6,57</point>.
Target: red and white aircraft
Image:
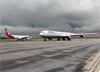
<point>18,37</point>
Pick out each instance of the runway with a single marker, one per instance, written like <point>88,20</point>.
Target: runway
<point>49,56</point>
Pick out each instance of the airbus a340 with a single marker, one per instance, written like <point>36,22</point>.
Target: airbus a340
<point>18,37</point>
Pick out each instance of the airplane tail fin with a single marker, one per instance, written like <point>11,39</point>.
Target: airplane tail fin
<point>73,29</point>
<point>7,33</point>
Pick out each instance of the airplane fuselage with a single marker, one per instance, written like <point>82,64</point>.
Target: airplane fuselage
<point>18,37</point>
<point>57,34</point>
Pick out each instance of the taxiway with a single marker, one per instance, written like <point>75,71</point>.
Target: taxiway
<point>49,56</point>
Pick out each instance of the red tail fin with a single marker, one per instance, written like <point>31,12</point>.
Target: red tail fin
<point>7,33</point>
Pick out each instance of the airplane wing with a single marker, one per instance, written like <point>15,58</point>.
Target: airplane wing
<point>80,35</point>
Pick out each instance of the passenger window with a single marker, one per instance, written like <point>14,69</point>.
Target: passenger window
<point>51,32</point>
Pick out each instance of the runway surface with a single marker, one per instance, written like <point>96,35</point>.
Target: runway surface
<point>49,56</point>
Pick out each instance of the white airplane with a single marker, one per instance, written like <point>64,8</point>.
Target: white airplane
<point>18,37</point>
<point>48,34</point>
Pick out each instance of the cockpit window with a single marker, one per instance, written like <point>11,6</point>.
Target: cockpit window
<point>42,32</point>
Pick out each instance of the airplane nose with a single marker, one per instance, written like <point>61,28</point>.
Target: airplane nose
<point>40,34</point>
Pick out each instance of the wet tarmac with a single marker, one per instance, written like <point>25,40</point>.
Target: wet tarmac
<point>49,56</point>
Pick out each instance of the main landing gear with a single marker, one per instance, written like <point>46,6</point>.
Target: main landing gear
<point>63,39</point>
<point>19,39</point>
<point>49,38</point>
<point>58,39</point>
<point>45,39</point>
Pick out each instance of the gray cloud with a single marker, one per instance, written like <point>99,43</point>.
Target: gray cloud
<point>62,15</point>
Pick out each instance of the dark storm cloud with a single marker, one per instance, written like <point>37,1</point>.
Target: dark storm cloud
<point>41,17</point>
<point>62,15</point>
<point>81,18</point>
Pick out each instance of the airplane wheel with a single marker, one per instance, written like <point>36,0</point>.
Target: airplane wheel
<point>44,39</point>
<point>63,39</point>
<point>22,39</point>
<point>58,39</point>
<point>17,39</point>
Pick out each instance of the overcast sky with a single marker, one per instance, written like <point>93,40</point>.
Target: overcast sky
<point>33,16</point>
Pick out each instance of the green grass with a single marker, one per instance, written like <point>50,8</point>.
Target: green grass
<point>14,40</point>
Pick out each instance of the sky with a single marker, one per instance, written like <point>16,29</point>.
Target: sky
<point>32,16</point>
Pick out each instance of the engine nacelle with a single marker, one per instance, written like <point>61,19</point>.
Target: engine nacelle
<point>68,38</point>
<point>81,36</point>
